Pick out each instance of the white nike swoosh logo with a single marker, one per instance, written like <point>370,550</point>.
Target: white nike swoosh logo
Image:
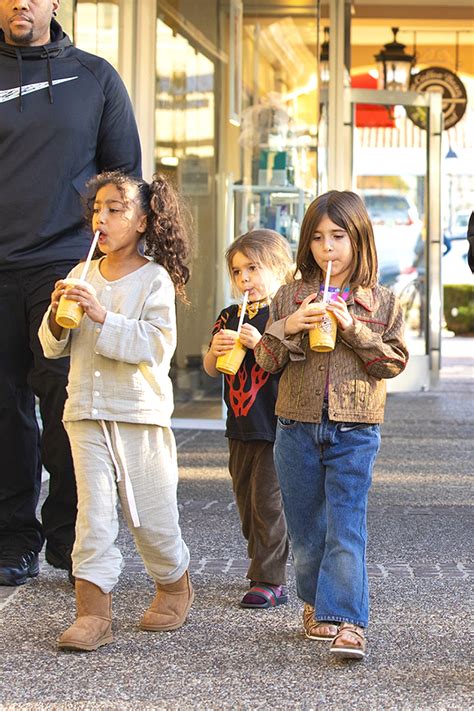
<point>10,94</point>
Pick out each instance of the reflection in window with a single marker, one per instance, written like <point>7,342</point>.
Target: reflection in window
<point>280,117</point>
<point>97,29</point>
<point>184,101</point>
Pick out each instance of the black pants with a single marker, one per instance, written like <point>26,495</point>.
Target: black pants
<point>25,372</point>
<point>258,498</point>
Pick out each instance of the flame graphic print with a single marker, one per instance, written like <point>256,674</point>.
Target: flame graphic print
<point>241,398</point>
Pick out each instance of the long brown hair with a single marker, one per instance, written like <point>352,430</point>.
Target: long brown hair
<point>166,237</point>
<point>347,210</point>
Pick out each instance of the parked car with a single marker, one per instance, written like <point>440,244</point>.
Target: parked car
<point>397,230</point>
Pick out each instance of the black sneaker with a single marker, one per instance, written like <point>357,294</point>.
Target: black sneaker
<point>16,568</point>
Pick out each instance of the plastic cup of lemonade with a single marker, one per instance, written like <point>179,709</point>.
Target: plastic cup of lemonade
<point>230,362</point>
<point>322,338</point>
<point>70,312</point>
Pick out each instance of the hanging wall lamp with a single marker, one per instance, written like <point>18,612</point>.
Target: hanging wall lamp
<point>394,65</point>
<point>324,60</point>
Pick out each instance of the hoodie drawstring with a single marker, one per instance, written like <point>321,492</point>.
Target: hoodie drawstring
<point>60,43</point>
<point>20,78</point>
<point>48,55</point>
<point>50,76</point>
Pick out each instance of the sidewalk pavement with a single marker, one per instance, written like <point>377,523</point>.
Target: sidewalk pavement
<point>420,564</point>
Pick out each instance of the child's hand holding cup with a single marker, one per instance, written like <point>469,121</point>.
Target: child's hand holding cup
<point>231,361</point>
<point>70,312</point>
<point>322,337</point>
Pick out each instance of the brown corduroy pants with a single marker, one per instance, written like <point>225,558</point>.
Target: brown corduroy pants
<point>258,499</point>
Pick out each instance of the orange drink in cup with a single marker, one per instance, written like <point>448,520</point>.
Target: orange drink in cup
<point>322,337</point>
<point>69,313</point>
<point>231,361</point>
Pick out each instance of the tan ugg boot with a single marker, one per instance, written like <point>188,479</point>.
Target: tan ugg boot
<point>93,625</point>
<point>169,609</point>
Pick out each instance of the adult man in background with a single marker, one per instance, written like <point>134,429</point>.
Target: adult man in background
<point>64,116</point>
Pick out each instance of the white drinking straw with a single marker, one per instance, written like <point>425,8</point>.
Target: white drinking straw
<point>242,313</point>
<point>326,283</point>
<point>89,256</point>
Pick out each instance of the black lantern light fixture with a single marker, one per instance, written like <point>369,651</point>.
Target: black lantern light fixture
<point>324,60</point>
<point>394,65</point>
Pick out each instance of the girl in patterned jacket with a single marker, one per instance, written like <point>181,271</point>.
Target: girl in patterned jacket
<point>329,408</point>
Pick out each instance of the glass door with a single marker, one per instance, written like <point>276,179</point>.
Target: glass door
<point>96,28</point>
<point>185,149</point>
<point>396,170</point>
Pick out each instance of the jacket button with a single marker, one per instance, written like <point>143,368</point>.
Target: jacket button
<point>321,367</point>
<point>317,392</point>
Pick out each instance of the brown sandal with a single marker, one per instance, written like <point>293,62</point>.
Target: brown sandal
<point>313,629</point>
<point>349,650</point>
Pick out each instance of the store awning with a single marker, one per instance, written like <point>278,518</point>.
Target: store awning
<point>370,115</point>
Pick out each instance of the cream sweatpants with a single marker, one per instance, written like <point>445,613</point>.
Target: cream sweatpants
<point>137,464</point>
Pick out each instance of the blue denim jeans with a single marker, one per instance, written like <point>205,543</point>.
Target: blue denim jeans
<point>325,471</point>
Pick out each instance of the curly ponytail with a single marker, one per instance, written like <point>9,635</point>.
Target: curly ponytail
<point>166,235</point>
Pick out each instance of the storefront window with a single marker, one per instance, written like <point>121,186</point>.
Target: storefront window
<point>269,161</point>
<point>184,103</point>
<point>279,125</point>
<point>280,117</point>
<point>185,150</point>
<point>96,29</point>
<point>65,16</point>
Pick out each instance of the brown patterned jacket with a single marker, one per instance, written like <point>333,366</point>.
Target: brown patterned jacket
<point>367,352</point>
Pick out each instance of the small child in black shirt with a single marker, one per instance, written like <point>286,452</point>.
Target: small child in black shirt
<point>258,263</point>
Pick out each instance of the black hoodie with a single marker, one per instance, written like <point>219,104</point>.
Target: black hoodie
<point>65,115</point>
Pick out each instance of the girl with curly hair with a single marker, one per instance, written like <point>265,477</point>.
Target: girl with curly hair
<point>120,401</point>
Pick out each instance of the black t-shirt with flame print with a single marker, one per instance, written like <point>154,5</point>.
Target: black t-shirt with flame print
<point>250,394</point>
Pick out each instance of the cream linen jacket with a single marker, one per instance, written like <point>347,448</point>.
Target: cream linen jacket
<point>365,353</point>
<point>120,369</point>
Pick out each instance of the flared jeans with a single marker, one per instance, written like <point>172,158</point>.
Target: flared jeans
<point>325,472</point>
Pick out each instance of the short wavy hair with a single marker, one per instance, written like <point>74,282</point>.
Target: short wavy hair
<point>266,248</point>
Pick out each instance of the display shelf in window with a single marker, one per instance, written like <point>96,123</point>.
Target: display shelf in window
<point>279,208</point>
